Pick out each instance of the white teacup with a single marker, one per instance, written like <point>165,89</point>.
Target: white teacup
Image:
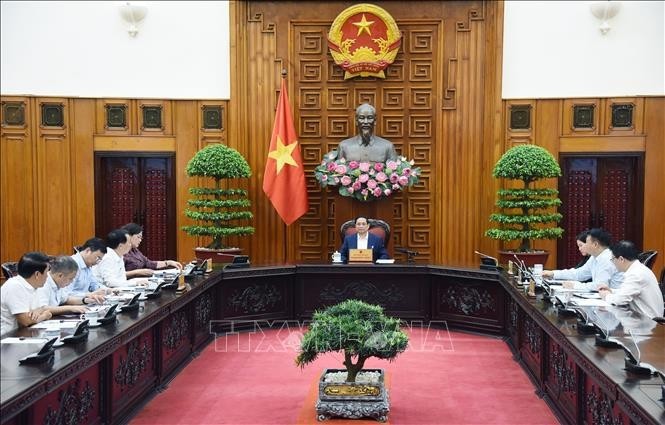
<point>337,257</point>
<point>92,317</point>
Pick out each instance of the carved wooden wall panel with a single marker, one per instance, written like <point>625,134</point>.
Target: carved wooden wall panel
<point>325,115</point>
<point>431,105</point>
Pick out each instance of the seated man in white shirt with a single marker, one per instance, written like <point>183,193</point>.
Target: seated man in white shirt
<point>599,268</point>
<point>20,305</point>
<point>56,292</point>
<point>110,271</point>
<point>639,288</point>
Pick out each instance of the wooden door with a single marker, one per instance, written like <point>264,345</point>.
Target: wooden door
<point>139,189</point>
<point>600,191</point>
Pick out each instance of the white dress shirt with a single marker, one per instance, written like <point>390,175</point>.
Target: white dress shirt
<point>52,295</point>
<point>111,270</point>
<point>599,269</point>
<point>640,290</point>
<point>362,242</point>
<point>16,296</point>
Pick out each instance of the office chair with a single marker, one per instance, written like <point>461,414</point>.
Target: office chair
<point>9,269</point>
<point>647,258</point>
<point>376,227</point>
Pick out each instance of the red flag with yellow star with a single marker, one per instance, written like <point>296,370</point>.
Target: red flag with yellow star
<point>284,177</point>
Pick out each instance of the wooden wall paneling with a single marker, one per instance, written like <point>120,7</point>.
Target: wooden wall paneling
<point>150,109</point>
<point>465,142</point>
<point>252,113</point>
<point>636,107</point>
<point>119,123</point>
<point>17,150</point>
<point>493,140</point>
<point>569,127</point>
<point>53,177</point>
<point>83,120</point>
<point>186,135</point>
<point>546,129</point>
<point>654,180</point>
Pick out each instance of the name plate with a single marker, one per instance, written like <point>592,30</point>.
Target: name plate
<point>360,255</point>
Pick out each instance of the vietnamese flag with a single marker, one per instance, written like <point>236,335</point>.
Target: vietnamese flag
<point>284,177</point>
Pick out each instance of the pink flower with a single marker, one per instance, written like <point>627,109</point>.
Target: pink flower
<point>350,189</point>
<point>353,165</point>
<point>364,167</point>
<point>378,166</point>
<point>324,177</point>
<point>392,165</point>
<point>364,192</point>
<point>381,176</point>
<point>387,192</point>
<point>403,180</point>
<point>340,169</point>
<point>331,166</point>
<point>377,192</point>
<point>393,178</point>
<point>337,180</point>
<point>357,185</point>
<point>395,186</point>
<point>363,178</point>
<point>371,184</point>
<point>406,171</point>
<point>346,180</point>
<point>371,172</point>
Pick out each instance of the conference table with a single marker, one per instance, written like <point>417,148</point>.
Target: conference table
<point>111,375</point>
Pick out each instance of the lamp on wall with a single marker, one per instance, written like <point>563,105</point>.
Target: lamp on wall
<point>133,15</point>
<point>604,11</point>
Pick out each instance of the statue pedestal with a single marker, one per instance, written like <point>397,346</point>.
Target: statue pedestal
<point>347,208</point>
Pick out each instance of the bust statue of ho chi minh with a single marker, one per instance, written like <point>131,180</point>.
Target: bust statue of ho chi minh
<point>366,146</point>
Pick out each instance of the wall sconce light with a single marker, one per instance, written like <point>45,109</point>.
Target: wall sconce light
<point>604,11</point>
<point>133,15</point>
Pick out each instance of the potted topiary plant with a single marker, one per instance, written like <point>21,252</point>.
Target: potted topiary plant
<point>218,209</point>
<point>360,331</point>
<point>526,212</point>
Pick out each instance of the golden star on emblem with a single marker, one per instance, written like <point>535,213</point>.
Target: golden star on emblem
<point>282,154</point>
<point>363,25</point>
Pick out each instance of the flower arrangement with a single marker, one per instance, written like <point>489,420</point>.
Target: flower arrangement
<point>366,181</point>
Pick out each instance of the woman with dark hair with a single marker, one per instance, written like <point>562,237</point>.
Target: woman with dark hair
<point>581,243</point>
<point>137,264</point>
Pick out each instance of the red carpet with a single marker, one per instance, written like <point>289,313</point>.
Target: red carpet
<point>444,377</point>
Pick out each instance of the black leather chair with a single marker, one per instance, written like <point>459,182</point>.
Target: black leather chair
<point>377,227</point>
<point>9,269</point>
<point>647,258</point>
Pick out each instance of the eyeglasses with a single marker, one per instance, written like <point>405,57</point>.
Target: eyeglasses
<point>98,258</point>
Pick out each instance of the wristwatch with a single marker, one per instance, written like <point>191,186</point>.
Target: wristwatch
<point>83,301</point>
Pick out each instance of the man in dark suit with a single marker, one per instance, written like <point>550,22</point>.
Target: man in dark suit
<point>363,240</point>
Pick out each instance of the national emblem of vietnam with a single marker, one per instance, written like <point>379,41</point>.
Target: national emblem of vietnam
<point>364,40</point>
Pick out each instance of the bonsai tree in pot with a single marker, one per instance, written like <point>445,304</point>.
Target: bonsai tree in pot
<point>360,331</point>
<point>526,212</point>
<point>218,209</point>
